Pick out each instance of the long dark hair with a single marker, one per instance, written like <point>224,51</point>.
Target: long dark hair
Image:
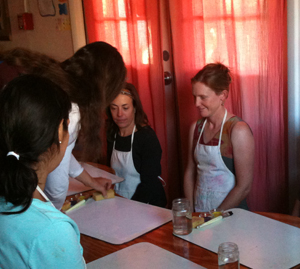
<point>25,61</point>
<point>31,109</point>
<point>92,77</point>
<point>98,73</point>
<point>140,118</point>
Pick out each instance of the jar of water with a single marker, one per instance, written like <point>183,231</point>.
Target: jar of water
<point>182,216</point>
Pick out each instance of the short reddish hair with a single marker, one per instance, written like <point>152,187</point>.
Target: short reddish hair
<point>215,76</point>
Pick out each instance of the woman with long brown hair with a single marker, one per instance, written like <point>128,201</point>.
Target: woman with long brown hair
<point>134,151</point>
<point>92,77</point>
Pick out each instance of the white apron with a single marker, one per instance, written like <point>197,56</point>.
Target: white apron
<point>214,180</point>
<point>122,163</point>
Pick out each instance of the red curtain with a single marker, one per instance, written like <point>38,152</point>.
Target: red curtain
<point>133,28</point>
<point>249,37</point>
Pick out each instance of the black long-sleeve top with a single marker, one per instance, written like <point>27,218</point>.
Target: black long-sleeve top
<point>146,152</point>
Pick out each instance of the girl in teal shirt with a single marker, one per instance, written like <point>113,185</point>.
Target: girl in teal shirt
<point>33,139</point>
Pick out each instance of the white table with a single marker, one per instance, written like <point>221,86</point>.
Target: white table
<point>263,242</point>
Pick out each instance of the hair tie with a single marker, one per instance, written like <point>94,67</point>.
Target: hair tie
<point>126,92</point>
<point>13,154</point>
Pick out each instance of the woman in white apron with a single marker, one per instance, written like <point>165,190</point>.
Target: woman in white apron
<point>134,151</point>
<point>219,172</point>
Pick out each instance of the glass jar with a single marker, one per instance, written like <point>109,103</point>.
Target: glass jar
<point>228,256</point>
<point>182,216</point>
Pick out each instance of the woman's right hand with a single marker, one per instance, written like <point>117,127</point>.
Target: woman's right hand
<point>102,185</point>
<point>98,183</point>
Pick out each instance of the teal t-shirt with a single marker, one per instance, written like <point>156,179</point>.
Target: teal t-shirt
<point>41,237</point>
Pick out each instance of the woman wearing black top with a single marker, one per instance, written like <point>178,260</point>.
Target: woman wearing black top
<point>133,150</point>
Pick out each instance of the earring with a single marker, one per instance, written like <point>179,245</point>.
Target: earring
<point>59,142</point>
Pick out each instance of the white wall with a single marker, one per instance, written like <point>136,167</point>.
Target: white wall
<point>49,36</point>
<point>293,17</point>
<point>77,24</point>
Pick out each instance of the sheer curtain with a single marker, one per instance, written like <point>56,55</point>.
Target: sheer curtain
<point>133,27</point>
<point>249,36</point>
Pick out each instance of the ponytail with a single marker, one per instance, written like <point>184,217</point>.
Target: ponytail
<point>18,182</point>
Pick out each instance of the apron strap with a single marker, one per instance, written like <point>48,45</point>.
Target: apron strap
<point>221,130</point>
<point>201,131</point>
<point>163,182</point>
<point>132,136</point>
<point>224,119</point>
<point>44,195</point>
<point>115,141</point>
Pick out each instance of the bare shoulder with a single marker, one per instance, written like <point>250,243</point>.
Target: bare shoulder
<point>241,132</point>
<point>191,135</point>
<point>193,126</point>
<point>241,127</point>
<point>192,130</point>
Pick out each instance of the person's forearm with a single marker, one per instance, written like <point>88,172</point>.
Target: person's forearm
<point>234,197</point>
<point>188,187</point>
<point>99,183</point>
<point>85,178</point>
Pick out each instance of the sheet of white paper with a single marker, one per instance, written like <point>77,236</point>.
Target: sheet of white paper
<point>76,186</point>
<point>118,220</point>
<point>262,242</point>
<point>142,255</point>
<point>46,7</point>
